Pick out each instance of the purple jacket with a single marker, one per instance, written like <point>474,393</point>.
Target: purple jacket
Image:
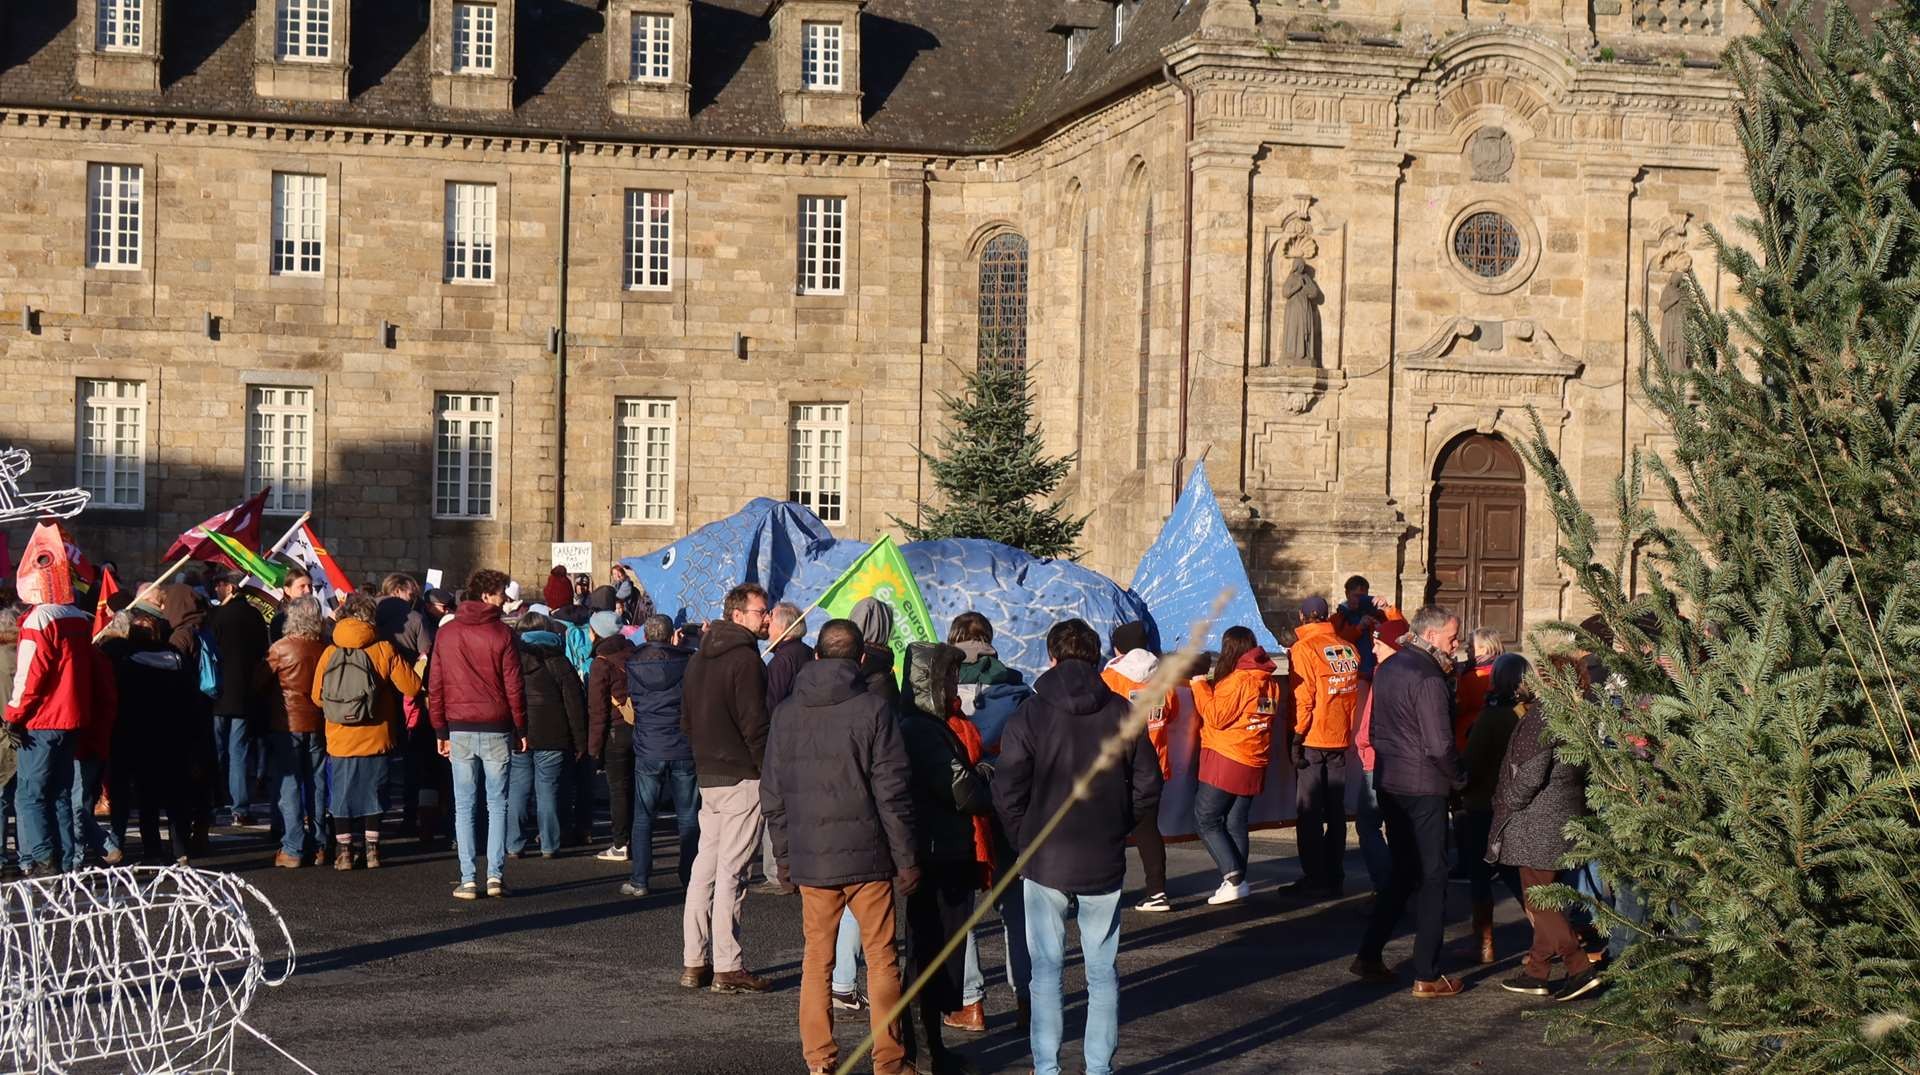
<point>1412,733</point>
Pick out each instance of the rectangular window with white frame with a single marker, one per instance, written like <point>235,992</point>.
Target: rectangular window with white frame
<point>299,224</point>
<point>470,232</point>
<point>651,54</point>
<point>474,44</point>
<point>113,215</point>
<point>1120,14</point>
<point>649,240</point>
<point>304,30</point>
<point>117,25</point>
<point>823,245</point>
<point>113,442</point>
<point>280,447</point>
<point>817,460</point>
<point>643,439</point>
<point>465,443</point>
<point>821,66</point>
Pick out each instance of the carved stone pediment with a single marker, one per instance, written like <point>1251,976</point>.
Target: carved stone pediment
<point>1492,359</point>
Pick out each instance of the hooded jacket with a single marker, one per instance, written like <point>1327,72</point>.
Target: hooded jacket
<point>834,790</point>
<point>606,686</point>
<point>1411,728</point>
<point>1324,670</point>
<point>788,658</point>
<point>473,681</point>
<point>725,709</point>
<point>947,793</point>
<point>875,620</point>
<point>1238,713</point>
<point>990,692</point>
<point>295,664</point>
<point>240,640</point>
<point>396,681</point>
<point>656,675</point>
<point>1125,675</point>
<point>556,704</point>
<point>1054,737</point>
<point>60,682</point>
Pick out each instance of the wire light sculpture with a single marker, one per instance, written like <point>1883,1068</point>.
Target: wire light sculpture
<point>146,969</point>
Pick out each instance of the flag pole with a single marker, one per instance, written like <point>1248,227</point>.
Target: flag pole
<point>288,536</point>
<point>172,570</point>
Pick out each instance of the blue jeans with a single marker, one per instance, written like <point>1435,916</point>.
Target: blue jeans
<point>44,799</point>
<point>477,757</point>
<point>1221,818</point>
<point>533,780</point>
<point>846,954</point>
<point>88,833</point>
<point>238,744</point>
<point>653,781</point>
<point>6,820</point>
<point>1624,900</point>
<point>1369,827</point>
<point>1099,918</point>
<point>296,769</point>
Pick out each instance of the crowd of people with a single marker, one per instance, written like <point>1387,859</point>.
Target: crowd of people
<point>889,800</point>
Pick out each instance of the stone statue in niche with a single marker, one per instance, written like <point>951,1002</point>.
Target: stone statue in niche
<point>1673,324</point>
<point>1300,322</point>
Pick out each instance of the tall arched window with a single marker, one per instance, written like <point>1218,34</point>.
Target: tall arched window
<point>1003,302</point>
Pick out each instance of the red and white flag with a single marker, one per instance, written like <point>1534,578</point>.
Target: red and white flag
<point>330,584</point>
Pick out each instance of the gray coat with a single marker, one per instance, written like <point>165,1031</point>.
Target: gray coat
<point>1538,795</point>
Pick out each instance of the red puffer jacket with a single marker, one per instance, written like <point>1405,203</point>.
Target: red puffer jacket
<point>473,678</point>
<point>60,684</point>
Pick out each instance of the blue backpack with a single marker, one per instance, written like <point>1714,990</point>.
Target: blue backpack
<point>580,649</point>
<point>209,665</point>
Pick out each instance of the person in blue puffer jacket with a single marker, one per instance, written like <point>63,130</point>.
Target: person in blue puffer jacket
<point>662,757</point>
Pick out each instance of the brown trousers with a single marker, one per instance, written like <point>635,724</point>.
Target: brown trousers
<point>1552,935</point>
<point>872,906</point>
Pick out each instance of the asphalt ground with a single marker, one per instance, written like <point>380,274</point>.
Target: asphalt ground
<point>566,975</point>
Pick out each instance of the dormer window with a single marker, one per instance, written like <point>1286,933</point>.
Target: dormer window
<point>652,51</point>
<point>1076,44</point>
<point>474,29</point>
<point>304,30</point>
<point>118,25</point>
<point>1119,22</point>
<point>822,65</point>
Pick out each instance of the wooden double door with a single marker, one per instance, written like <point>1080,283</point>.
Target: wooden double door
<point>1477,544</point>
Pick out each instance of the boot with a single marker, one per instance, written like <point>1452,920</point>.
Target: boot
<point>1483,930</point>
<point>343,856</point>
<point>373,855</point>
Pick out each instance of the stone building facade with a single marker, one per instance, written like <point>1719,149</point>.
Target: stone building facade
<point>464,279</point>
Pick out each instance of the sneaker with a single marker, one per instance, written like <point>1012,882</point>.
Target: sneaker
<point>1440,987</point>
<point>696,977</point>
<point>739,981</point>
<point>628,888</point>
<point>1154,904</point>
<point>1371,970</point>
<point>466,890</point>
<point>548,854</point>
<point>775,888</point>
<point>1578,985</point>
<point>496,888</point>
<point>616,853</point>
<point>1229,892</point>
<point>849,1002</point>
<point>1528,984</point>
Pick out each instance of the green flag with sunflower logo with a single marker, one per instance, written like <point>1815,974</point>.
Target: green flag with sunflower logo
<point>882,573</point>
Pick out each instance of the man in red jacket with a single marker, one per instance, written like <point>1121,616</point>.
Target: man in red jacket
<point>61,685</point>
<point>477,703</point>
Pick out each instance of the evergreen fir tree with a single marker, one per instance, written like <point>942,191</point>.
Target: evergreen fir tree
<point>990,471</point>
<point>1751,756</point>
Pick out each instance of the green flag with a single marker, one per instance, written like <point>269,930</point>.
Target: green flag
<point>882,573</point>
<point>247,560</point>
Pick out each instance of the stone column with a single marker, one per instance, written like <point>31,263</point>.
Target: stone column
<point>1222,223</point>
<point>1596,453</point>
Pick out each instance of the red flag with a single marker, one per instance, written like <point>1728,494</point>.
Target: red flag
<point>229,538</point>
<point>102,615</point>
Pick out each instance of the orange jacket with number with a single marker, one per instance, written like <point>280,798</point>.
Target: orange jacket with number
<point>1238,713</point>
<point>1124,676</point>
<point>1325,672</point>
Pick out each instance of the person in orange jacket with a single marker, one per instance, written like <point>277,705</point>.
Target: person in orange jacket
<point>1324,670</point>
<point>1237,707</point>
<point>1133,664</point>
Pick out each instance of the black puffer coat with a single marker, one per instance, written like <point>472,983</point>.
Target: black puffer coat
<point>947,793</point>
<point>1538,795</point>
<point>556,703</point>
<point>834,784</point>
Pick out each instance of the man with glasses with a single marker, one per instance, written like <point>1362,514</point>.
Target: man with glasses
<point>724,711</point>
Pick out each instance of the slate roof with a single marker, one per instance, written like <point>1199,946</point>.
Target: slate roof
<point>938,75</point>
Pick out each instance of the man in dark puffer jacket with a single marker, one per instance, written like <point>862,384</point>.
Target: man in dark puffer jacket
<point>834,790</point>
<point>662,758</point>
